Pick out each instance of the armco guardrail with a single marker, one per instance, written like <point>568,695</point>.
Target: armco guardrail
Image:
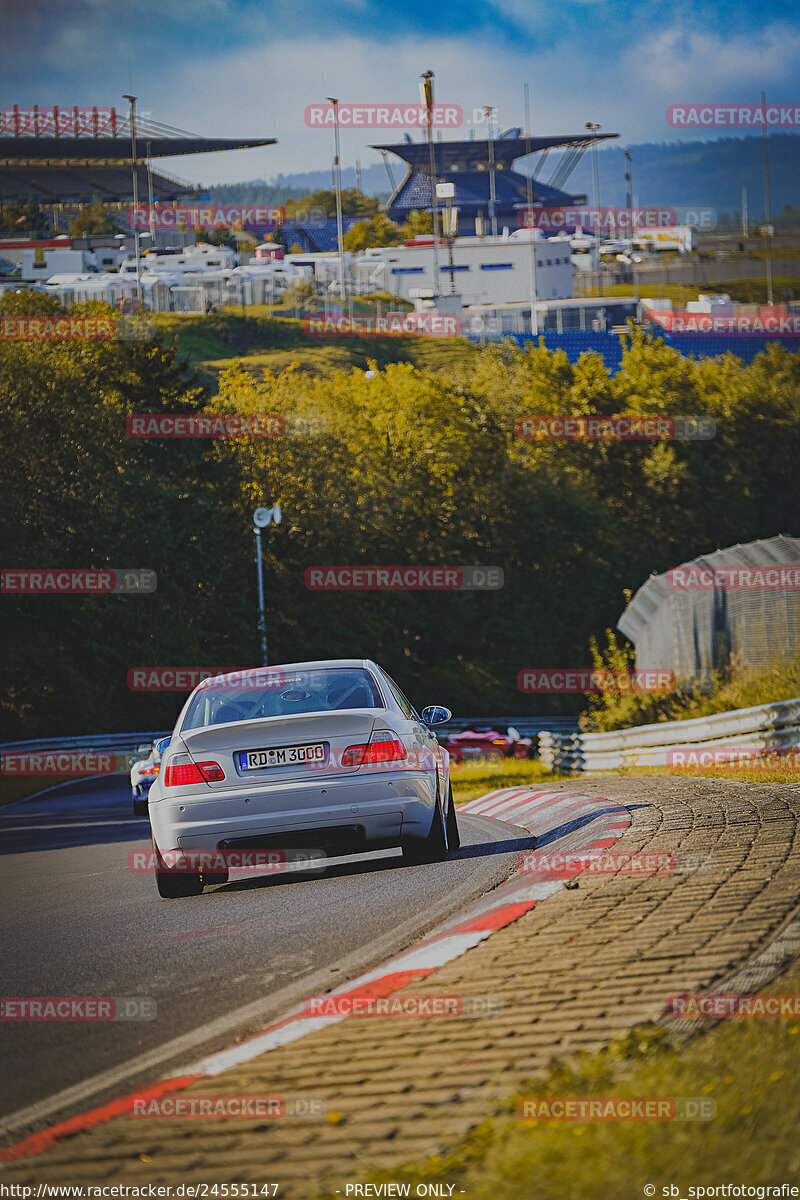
<point>128,743</point>
<point>764,727</point>
<point>528,726</point>
<point>110,743</point>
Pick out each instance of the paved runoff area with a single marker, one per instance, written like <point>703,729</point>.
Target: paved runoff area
<point>323,1099</point>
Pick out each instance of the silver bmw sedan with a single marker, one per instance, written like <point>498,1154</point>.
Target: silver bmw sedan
<point>327,755</point>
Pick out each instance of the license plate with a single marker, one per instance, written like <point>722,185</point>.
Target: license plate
<point>281,756</point>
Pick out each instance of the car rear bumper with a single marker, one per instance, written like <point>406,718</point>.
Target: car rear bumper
<point>375,810</point>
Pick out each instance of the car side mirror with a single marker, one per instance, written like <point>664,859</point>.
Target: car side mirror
<point>435,714</point>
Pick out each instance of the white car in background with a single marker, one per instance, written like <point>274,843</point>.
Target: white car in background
<point>328,755</point>
<point>143,776</point>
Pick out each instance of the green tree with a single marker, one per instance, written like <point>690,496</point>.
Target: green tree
<point>27,218</point>
<point>92,221</point>
<point>417,224</point>
<point>375,231</point>
<point>221,236</point>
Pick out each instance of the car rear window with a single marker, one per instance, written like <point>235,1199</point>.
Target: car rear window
<point>275,693</point>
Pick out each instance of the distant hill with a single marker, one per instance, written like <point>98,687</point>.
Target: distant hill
<point>698,174</point>
<point>374,182</point>
<point>669,174</point>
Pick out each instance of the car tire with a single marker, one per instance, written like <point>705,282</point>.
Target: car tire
<point>140,806</point>
<point>432,848</point>
<point>174,885</point>
<point>453,835</point>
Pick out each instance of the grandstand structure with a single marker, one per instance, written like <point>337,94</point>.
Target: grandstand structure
<point>482,173</point>
<point>70,157</point>
<point>699,617</point>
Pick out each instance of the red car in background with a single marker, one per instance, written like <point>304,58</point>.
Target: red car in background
<point>487,742</point>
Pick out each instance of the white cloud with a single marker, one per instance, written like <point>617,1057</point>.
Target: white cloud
<point>263,90</point>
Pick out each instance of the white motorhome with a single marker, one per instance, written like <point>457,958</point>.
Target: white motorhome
<point>39,264</point>
<point>682,238</point>
<point>199,260</point>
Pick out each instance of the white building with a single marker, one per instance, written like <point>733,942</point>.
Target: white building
<point>486,270</point>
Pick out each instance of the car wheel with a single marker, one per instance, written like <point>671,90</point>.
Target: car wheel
<point>453,836</point>
<point>140,806</point>
<point>172,885</point>
<point>431,849</point>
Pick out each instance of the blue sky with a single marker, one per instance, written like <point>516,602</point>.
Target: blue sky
<point>250,67</point>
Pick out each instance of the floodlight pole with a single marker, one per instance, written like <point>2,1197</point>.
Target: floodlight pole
<point>337,181</point>
<point>427,78</point>
<point>529,198</point>
<point>135,176</point>
<point>767,203</point>
<point>489,112</point>
<point>593,128</point>
<point>150,200</point>
<point>262,615</point>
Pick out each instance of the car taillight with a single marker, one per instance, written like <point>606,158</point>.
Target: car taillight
<point>212,771</point>
<point>382,747</point>
<point>149,770</point>
<point>498,741</point>
<point>182,771</point>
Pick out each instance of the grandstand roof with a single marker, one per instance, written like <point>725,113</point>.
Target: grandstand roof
<point>467,155</point>
<point>89,157</point>
<point>466,164</point>
<point>116,149</point>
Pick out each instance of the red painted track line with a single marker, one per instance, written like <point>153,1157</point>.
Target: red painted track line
<point>36,1143</point>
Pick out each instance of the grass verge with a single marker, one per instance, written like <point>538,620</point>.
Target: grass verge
<point>14,788</point>
<point>211,343</point>
<point>477,778</point>
<point>748,1066</point>
<point>746,291</point>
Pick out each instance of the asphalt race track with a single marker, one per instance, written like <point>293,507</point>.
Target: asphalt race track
<point>78,922</point>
